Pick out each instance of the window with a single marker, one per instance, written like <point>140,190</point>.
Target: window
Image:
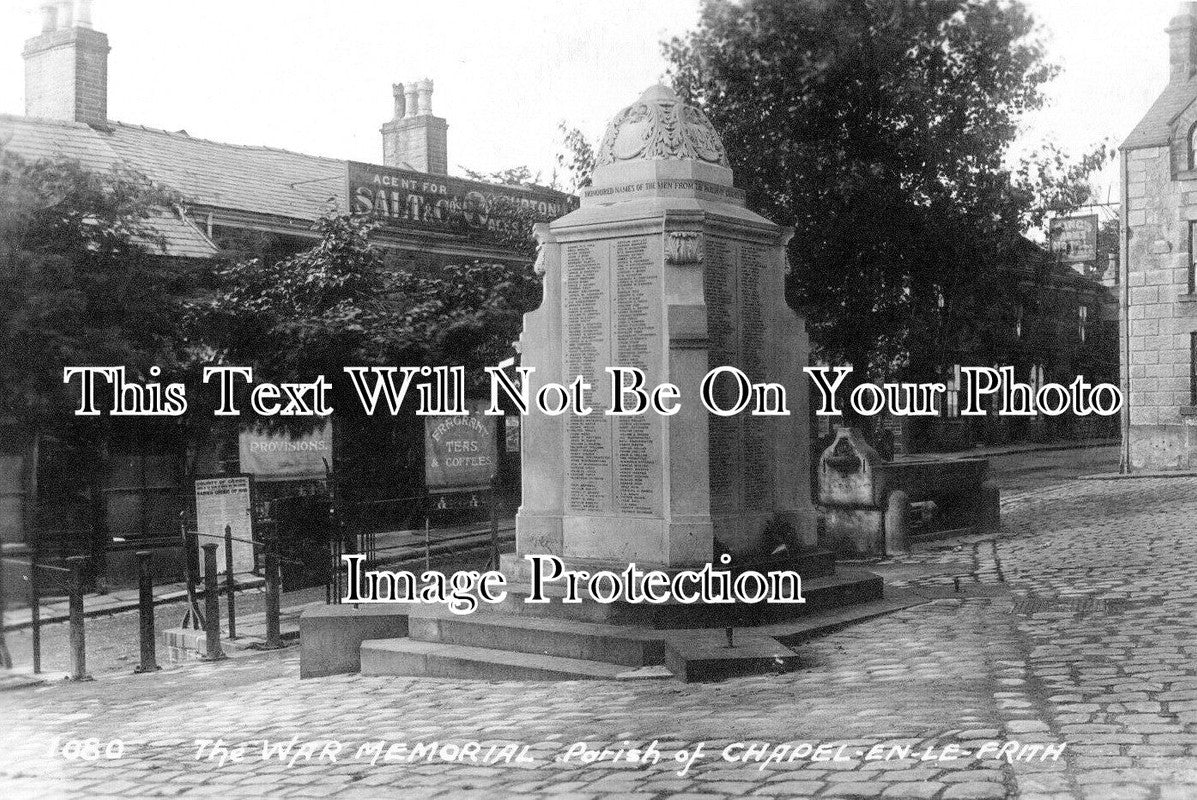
<point>1192,258</point>
<point>1193,147</point>
<point>1193,369</point>
<point>1082,316</point>
<point>1038,378</point>
<point>952,394</point>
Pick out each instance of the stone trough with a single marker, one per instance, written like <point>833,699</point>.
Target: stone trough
<point>867,502</point>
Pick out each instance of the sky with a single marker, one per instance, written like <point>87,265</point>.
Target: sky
<point>315,76</point>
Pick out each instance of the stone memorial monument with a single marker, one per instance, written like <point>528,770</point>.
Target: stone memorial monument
<point>662,268</point>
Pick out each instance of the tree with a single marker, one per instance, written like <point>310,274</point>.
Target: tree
<point>84,281</point>
<point>344,302</point>
<point>512,176</point>
<point>577,158</point>
<point>341,302</point>
<point>880,131</point>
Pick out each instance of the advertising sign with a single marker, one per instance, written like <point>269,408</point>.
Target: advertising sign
<point>404,199</point>
<point>278,457</point>
<point>1073,239</point>
<point>220,502</point>
<point>459,451</point>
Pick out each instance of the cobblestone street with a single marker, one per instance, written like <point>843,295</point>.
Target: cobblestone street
<point>1074,626</point>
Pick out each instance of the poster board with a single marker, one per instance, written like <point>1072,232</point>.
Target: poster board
<point>277,457</point>
<point>460,452</point>
<point>1074,239</point>
<point>221,501</point>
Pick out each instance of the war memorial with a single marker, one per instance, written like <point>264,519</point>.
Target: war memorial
<point>662,269</point>
<point>630,549</point>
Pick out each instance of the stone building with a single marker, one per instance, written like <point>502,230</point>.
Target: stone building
<point>240,200</point>
<point>1158,342</point>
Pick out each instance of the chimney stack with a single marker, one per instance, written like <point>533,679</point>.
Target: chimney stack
<point>66,66</point>
<point>1182,44</point>
<point>414,138</point>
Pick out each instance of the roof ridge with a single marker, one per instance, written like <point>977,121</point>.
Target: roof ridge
<point>189,137</point>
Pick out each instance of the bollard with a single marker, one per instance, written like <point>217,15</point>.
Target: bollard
<point>274,639</point>
<point>230,581</point>
<point>211,606</point>
<point>145,611</point>
<point>78,650</point>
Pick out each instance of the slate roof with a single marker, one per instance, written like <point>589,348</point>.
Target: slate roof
<point>1155,129</point>
<point>41,138</point>
<point>258,180</point>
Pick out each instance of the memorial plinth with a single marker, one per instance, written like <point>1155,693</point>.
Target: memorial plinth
<point>662,268</point>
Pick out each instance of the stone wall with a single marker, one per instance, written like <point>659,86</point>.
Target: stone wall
<point>1160,199</point>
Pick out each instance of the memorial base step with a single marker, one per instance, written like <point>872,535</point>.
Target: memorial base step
<point>627,645</point>
<point>847,586</point>
<point>435,660</point>
<point>498,644</point>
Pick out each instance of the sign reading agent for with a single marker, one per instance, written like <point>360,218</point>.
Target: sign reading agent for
<point>404,199</point>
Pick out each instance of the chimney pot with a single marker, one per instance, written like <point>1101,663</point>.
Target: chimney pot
<point>66,12</point>
<point>425,95</point>
<point>1182,43</point>
<point>400,100</point>
<point>49,17</point>
<point>83,13</point>
<point>414,138</point>
<point>409,90</point>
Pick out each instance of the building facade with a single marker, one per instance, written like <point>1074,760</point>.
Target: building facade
<point>1158,316</point>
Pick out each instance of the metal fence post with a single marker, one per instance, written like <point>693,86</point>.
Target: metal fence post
<point>145,610</point>
<point>35,608</point>
<point>211,606</point>
<point>273,593</point>
<point>78,649</point>
<point>5,657</point>
<point>494,525</point>
<point>230,581</point>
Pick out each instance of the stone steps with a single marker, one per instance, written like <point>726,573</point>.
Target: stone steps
<point>541,645</point>
<point>435,660</point>
<point>628,645</point>
<point>846,586</point>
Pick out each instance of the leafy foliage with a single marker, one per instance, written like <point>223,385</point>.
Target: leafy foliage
<point>83,281</point>
<point>341,303</point>
<point>578,158</point>
<point>512,176</point>
<point>880,131</point>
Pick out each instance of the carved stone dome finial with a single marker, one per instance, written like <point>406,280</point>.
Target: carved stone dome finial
<point>659,126</point>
